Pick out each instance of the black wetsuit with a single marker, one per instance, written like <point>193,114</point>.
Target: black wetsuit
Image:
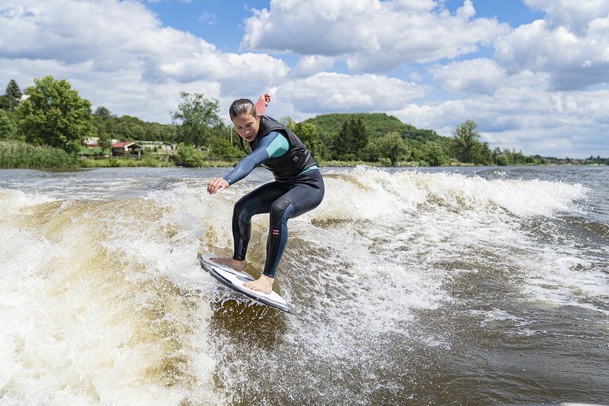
<point>297,189</point>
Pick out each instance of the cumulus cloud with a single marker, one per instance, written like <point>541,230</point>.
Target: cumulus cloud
<point>371,35</point>
<point>478,76</point>
<point>310,64</point>
<point>124,44</point>
<point>575,15</point>
<point>571,44</point>
<point>349,93</point>
<point>521,115</point>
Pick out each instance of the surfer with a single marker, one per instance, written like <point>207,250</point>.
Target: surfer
<point>297,189</point>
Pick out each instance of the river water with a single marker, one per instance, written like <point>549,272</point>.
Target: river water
<point>464,286</point>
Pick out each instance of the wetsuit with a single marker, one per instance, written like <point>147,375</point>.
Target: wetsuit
<point>297,189</point>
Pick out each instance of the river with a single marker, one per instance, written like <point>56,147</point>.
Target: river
<point>438,286</point>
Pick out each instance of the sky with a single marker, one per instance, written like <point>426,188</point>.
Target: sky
<point>533,74</point>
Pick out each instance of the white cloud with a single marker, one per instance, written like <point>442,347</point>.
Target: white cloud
<point>346,93</point>
<point>478,76</point>
<point>575,15</point>
<point>119,55</point>
<point>572,45</point>
<point>371,35</point>
<point>522,116</point>
<point>311,64</point>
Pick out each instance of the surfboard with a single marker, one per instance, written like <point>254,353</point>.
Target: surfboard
<point>235,279</point>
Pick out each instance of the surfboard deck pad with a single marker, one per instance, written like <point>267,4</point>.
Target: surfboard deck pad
<point>234,279</point>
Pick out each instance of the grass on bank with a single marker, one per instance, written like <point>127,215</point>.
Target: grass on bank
<point>21,155</point>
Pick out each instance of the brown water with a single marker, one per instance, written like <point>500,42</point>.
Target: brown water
<point>469,286</point>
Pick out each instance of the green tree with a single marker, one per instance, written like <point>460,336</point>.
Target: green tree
<point>188,156</point>
<point>13,94</point>
<point>309,136</point>
<point>351,140</point>
<point>392,147</point>
<point>8,128</point>
<point>501,160</point>
<point>103,113</point>
<point>130,128</point>
<point>485,156</point>
<point>225,143</point>
<point>55,115</point>
<point>464,144</point>
<point>434,154</point>
<point>222,147</point>
<point>196,118</point>
<point>104,122</point>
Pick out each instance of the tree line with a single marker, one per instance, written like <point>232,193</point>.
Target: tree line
<point>51,114</point>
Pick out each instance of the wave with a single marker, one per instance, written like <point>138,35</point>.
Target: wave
<point>102,301</point>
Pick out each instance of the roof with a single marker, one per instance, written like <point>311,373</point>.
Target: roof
<point>125,144</point>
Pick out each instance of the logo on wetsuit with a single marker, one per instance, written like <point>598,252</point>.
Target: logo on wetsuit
<point>275,231</point>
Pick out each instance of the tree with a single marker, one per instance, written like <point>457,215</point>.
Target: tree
<point>308,135</point>
<point>434,154</point>
<point>8,129</point>
<point>188,156</point>
<point>351,140</point>
<point>104,122</point>
<point>13,94</point>
<point>222,147</point>
<point>501,160</point>
<point>103,113</point>
<point>130,128</point>
<point>196,117</point>
<point>464,144</point>
<point>392,147</point>
<point>55,115</point>
<point>225,143</point>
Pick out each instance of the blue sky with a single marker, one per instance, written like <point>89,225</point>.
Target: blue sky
<point>533,74</point>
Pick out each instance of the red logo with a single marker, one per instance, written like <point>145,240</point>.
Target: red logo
<point>275,232</point>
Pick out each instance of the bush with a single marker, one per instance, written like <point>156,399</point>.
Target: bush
<point>18,154</point>
<point>502,160</point>
<point>188,156</point>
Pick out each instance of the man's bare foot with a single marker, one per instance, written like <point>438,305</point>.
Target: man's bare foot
<point>263,284</point>
<point>233,263</point>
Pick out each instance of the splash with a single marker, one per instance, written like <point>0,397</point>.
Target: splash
<point>102,300</point>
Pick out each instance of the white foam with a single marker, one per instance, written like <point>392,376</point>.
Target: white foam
<point>87,315</point>
<point>104,299</point>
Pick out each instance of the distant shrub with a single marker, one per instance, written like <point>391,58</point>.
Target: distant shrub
<point>18,154</point>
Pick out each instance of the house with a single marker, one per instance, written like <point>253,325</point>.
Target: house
<point>126,148</point>
<point>91,149</point>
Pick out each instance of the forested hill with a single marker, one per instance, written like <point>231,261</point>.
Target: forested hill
<point>377,125</point>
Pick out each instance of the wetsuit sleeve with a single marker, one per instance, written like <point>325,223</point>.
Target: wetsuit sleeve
<point>273,145</point>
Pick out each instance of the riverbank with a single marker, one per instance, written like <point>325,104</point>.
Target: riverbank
<point>21,155</point>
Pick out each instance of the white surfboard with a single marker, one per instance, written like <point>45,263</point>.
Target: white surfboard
<point>235,279</point>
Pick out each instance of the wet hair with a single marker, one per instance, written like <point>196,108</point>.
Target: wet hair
<point>242,106</point>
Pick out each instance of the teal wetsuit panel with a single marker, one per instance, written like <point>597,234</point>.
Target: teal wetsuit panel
<point>273,145</point>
